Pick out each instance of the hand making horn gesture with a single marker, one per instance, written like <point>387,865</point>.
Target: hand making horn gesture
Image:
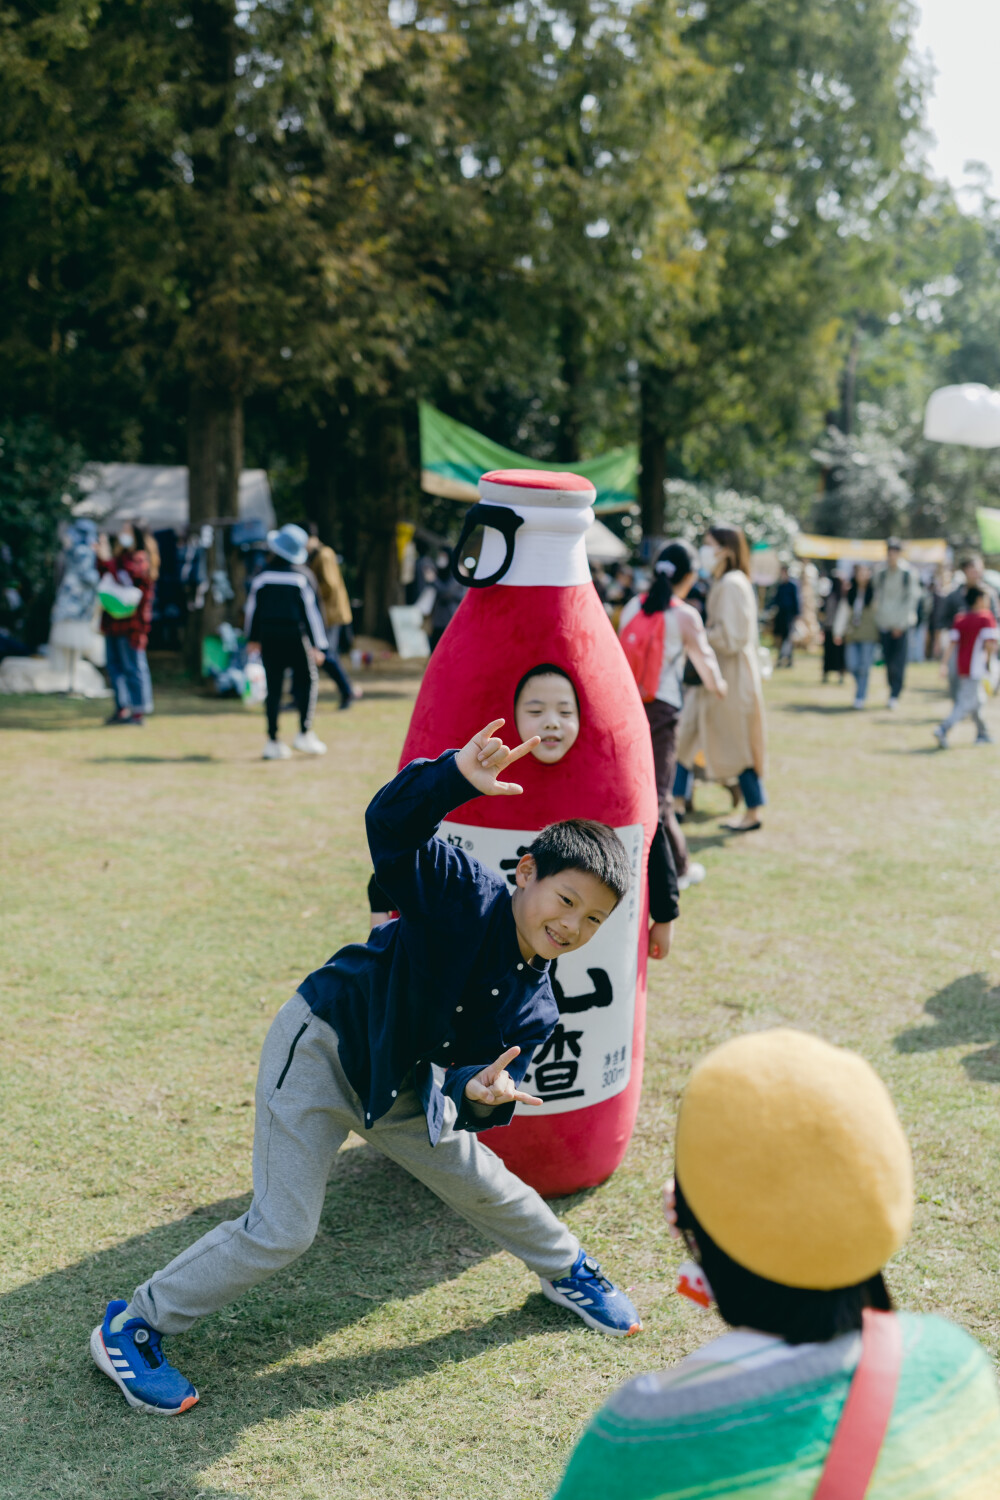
<point>494,1085</point>
<point>484,757</point>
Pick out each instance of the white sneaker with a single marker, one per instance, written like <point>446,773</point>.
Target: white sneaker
<point>695,875</point>
<point>893,704</point>
<point>275,750</point>
<point>309,743</point>
<point>859,703</point>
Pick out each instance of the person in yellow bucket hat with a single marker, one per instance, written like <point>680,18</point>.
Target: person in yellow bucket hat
<point>794,1187</point>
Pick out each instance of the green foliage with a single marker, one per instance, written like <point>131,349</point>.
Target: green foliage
<point>696,224</point>
<point>36,484</point>
<point>692,509</point>
<point>867,494</point>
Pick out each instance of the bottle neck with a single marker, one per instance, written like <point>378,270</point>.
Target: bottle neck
<point>549,548</point>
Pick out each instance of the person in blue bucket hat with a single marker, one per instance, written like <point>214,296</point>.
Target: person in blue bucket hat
<point>283,621</point>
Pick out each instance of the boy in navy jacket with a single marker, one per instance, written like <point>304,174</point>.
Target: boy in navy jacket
<point>416,1040</point>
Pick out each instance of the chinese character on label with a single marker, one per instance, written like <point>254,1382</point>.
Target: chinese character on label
<point>600,996</point>
<point>555,1079</point>
<point>510,865</point>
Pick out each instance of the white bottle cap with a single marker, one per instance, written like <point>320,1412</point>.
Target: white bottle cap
<point>549,546</point>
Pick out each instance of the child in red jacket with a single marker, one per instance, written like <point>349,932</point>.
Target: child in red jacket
<point>974,639</point>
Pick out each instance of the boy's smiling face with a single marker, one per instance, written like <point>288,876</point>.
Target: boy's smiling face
<point>547,707</point>
<point>560,913</point>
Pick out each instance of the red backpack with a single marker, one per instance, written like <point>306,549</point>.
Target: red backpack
<point>642,641</point>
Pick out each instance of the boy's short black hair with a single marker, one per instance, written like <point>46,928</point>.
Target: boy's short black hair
<point>546,669</point>
<point>795,1314</point>
<point>580,844</point>
<point>975,594</point>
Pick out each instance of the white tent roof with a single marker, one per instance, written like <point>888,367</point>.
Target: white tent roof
<point>156,495</point>
<point>603,546</point>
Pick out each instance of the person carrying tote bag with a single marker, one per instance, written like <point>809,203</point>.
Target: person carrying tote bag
<point>660,634</point>
<point>793,1188</point>
<point>731,732</point>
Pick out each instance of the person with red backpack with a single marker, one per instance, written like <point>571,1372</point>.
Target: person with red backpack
<point>659,632</point>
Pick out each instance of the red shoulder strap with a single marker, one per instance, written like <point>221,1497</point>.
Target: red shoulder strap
<point>864,1420</point>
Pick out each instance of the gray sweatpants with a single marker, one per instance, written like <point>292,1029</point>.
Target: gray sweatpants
<point>968,705</point>
<point>305,1110</point>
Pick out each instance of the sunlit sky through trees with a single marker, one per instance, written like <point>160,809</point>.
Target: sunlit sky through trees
<point>963,40</point>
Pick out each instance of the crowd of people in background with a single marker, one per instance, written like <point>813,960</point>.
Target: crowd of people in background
<point>706,705</point>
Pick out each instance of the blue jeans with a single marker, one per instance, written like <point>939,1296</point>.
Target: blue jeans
<point>125,673</point>
<point>750,785</point>
<point>147,683</point>
<point>860,655</point>
<point>894,649</point>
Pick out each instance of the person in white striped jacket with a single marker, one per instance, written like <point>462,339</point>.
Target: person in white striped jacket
<point>283,621</point>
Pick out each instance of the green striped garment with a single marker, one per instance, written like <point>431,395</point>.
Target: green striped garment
<point>750,1417</point>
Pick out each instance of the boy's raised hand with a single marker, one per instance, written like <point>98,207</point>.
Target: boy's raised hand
<point>494,1085</point>
<point>484,757</point>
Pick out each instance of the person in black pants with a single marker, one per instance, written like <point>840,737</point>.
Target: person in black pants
<point>284,620</point>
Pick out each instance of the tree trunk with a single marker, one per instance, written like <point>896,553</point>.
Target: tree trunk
<point>324,459</point>
<point>848,385</point>
<point>390,496</point>
<point>572,361</point>
<point>652,453</point>
<point>215,462</point>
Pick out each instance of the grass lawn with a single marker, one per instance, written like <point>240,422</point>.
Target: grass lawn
<point>162,891</point>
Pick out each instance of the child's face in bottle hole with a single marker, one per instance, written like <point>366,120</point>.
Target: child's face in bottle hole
<point>547,707</point>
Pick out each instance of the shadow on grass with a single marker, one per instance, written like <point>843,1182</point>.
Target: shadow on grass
<point>933,749</point>
<point>818,708</point>
<point>965,1012</point>
<point>153,760</point>
<point>697,844</point>
<point>382,1238</point>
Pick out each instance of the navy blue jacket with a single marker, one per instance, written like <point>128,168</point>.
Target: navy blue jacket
<point>443,990</point>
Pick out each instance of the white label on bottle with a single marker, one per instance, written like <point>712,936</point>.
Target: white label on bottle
<point>589,1055</point>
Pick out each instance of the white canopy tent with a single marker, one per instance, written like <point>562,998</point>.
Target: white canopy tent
<point>603,546</point>
<point>156,495</point>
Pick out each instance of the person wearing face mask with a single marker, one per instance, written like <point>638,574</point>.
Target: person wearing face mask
<point>660,629</point>
<point>793,1188</point>
<point>730,730</point>
<point>127,560</point>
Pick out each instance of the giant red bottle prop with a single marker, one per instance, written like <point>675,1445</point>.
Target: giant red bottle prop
<point>531,601</point>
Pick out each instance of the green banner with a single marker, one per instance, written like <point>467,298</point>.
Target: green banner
<point>989,528</point>
<point>453,458</point>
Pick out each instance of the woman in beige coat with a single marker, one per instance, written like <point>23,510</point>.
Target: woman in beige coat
<point>730,730</point>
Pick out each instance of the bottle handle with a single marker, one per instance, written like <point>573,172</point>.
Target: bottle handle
<point>498,518</point>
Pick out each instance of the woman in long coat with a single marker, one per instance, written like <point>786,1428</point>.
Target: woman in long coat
<point>730,730</point>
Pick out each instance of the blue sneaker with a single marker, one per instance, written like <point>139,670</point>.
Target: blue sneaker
<point>133,1359</point>
<point>588,1292</point>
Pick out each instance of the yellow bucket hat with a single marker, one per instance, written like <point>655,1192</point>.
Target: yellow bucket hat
<point>790,1153</point>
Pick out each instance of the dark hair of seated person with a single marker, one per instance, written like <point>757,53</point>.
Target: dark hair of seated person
<point>796,1314</point>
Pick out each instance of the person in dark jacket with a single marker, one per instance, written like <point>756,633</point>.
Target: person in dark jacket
<point>448,595</point>
<point>417,1040</point>
<point>283,621</point>
<point>787,609</point>
<point>126,559</point>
